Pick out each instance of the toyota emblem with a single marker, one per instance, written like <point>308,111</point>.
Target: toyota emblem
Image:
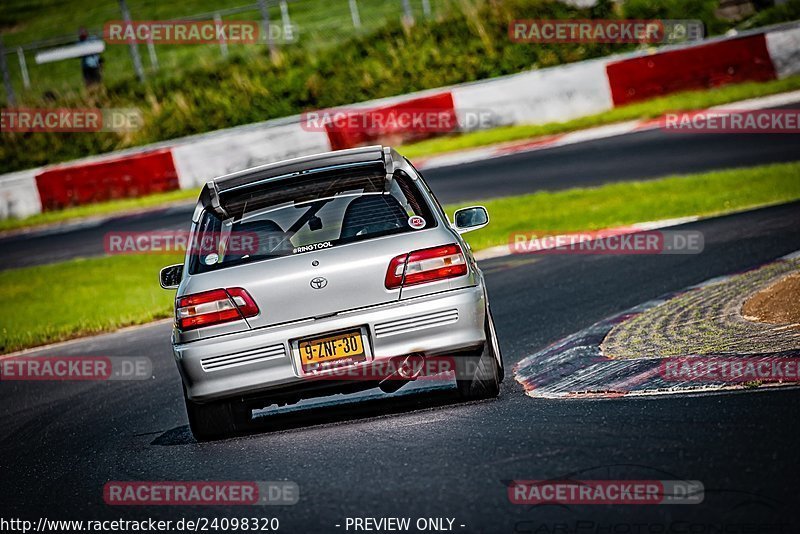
<point>319,282</point>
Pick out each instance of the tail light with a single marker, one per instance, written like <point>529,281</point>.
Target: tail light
<point>214,307</point>
<point>426,265</point>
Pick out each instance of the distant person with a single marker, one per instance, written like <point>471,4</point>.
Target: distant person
<point>91,65</point>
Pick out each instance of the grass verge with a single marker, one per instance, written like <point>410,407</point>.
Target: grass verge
<point>86,296</point>
<point>649,109</point>
<point>686,101</point>
<point>81,297</point>
<point>630,202</point>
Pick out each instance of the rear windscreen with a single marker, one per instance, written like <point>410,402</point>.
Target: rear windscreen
<point>306,214</point>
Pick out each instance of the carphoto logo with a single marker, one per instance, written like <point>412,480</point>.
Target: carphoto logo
<point>627,240</point>
<point>62,120</point>
<point>730,369</point>
<point>387,121</point>
<point>75,368</point>
<point>604,31</point>
<point>190,493</point>
<point>584,492</point>
<point>171,241</point>
<point>720,121</point>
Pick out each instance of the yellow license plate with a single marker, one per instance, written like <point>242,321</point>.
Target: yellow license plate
<point>331,351</point>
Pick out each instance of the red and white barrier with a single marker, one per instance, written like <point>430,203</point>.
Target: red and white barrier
<point>540,96</point>
<point>535,97</point>
<point>130,176</point>
<point>382,121</point>
<point>19,196</point>
<point>207,156</point>
<point>784,51</point>
<point>697,67</point>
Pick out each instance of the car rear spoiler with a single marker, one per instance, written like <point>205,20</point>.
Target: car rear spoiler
<point>377,158</point>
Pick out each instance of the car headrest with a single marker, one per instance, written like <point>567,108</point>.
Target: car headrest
<point>373,211</point>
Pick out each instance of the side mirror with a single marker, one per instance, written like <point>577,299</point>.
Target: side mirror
<point>170,277</point>
<point>468,219</point>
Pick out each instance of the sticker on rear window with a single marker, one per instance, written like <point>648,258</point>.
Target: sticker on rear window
<point>416,222</point>
<point>211,259</point>
<point>313,246</point>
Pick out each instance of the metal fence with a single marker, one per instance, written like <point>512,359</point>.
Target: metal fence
<point>286,23</point>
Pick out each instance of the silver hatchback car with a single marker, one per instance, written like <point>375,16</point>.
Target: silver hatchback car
<point>325,274</point>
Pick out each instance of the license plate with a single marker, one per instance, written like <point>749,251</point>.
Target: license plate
<point>331,351</point>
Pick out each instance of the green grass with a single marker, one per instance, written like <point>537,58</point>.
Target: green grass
<point>85,296</point>
<point>80,297</point>
<point>629,202</point>
<point>650,109</point>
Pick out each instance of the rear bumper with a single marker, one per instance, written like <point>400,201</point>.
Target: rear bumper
<point>257,362</point>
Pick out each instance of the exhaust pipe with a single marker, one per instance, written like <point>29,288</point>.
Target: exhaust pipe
<point>409,369</point>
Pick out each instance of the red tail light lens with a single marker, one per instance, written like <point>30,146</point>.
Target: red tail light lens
<point>394,274</point>
<point>243,301</point>
<point>214,307</point>
<point>426,265</point>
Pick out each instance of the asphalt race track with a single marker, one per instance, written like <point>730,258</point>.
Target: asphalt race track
<point>426,455</point>
<point>642,155</point>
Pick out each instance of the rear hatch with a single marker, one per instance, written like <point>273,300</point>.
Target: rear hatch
<point>325,282</point>
<point>324,243</point>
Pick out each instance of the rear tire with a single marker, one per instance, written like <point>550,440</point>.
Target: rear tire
<point>211,420</point>
<point>496,345</point>
<point>484,372</point>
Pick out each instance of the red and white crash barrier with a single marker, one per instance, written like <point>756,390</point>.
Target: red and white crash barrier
<point>534,97</point>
